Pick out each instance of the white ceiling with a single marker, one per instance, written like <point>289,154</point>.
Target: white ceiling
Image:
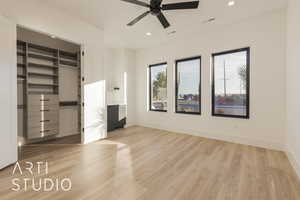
<point>113,15</point>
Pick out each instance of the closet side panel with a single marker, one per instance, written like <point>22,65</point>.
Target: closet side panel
<point>68,92</point>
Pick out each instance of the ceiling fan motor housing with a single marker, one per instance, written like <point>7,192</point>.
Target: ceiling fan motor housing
<point>155,7</point>
<point>155,11</point>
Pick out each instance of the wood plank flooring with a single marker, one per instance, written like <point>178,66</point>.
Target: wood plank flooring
<point>72,139</point>
<point>148,164</point>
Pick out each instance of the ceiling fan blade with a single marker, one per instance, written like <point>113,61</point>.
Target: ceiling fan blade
<point>155,3</point>
<point>138,18</point>
<point>183,5</point>
<point>163,20</point>
<point>140,3</point>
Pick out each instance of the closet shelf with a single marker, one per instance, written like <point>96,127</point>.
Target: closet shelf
<point>41,74</point>
<point>21,65</point>
<point>68,63</point>
<point>42,85</point>
<point>21,76</point>
<point>42,57</point>
<point>21,50</point>
<point>42,48</point>
<point>41,65</point>
<point>21,54</point>
<point>41,92</point>
<point>68,103</point>
<point>68,54</point>
<point>68,60</point>
<point>21,43</point>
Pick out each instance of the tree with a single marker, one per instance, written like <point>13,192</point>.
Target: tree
<point>160,82</point>
<point>242,71</point>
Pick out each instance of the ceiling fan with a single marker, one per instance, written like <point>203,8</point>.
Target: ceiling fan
<point>156,7</point>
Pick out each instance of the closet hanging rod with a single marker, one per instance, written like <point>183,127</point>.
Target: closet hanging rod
<point>68,103</point>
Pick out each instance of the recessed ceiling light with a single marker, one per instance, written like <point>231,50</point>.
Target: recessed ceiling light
<point>148,34</point>
<point>53,36</point>
<point>209,20</point>
<point>171,32</point>
<point>231,3</point>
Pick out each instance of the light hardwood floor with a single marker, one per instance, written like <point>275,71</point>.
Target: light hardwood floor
<point>148,164</point>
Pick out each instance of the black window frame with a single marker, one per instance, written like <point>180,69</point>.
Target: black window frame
<point>247,116</point>
<point>176,85</point>
<point>150,88</point>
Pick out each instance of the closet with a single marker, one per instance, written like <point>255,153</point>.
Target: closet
<point>49,87</point>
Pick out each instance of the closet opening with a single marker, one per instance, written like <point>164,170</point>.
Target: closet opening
<point>49,89</point>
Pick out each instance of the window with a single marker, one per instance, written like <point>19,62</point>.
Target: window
<point>158,87</point>
<point>230,89</point>
<point>188,87</point>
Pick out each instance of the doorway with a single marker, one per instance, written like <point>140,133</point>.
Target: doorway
<point>49,71</point>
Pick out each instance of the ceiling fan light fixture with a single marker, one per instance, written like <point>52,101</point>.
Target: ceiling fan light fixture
<point>209,20</point>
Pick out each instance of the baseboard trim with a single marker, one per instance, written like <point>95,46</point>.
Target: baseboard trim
<point>129,125</point>
<point>294,162</point>
<point>67,134</point>
<point>222,137</point>
<point>7,166</point>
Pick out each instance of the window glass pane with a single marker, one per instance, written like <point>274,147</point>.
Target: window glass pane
<point>158,87</point>
<point>188,83</point>
<point>230,84</point>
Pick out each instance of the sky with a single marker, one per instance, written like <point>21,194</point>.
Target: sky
<point>232,64</point>
<point>189,75</point>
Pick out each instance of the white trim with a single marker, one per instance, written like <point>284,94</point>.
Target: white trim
<point>223,137</point>
<point>14,100</point>
<point>70,133</point>
<point>294,162</point>
<point>130,125</point>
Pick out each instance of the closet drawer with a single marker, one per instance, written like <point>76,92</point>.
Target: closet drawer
<point>42,108</point>
<point>37,122</point>
<point>45,126</point>
<point>43,99</point>
<point>40,133</point>
<point>45,114</point>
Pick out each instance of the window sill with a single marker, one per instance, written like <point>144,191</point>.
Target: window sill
<point>163,111</point>
<point>188,113</point>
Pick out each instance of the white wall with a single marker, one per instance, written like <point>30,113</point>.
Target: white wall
<point>8,93</point>
<point>293,83</point>
<point>118,62</point>
<point>266,37</point>
<point>39,16</point>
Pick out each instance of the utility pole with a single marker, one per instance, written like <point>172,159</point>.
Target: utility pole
<point>224,66</point>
